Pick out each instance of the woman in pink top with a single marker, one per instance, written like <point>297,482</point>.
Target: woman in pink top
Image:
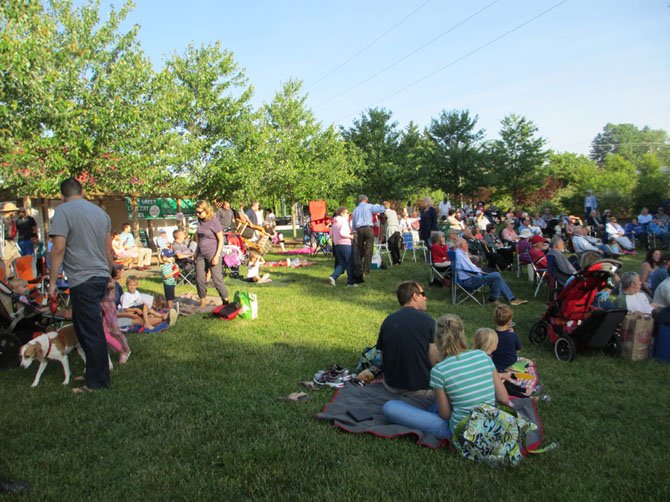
<point>340,232</point>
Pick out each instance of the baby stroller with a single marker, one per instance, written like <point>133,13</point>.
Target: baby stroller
<point>571,321</point>
<point>234,253</point>
<point>19,320</point>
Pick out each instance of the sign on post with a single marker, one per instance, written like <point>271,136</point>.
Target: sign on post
<point>151,209</point>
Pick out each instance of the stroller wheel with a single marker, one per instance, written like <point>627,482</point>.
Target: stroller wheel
<point>613,347</point>
<point>565,349</point>
<point>10,345</point>
<point>539,331</point>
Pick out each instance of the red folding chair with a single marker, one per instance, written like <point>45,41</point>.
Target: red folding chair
<point>319,227</point>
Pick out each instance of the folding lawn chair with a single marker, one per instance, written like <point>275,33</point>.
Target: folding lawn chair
<point>459,292</point>
<point>319,227</point>
<point>25,267</point>
<point>441,274</point>
<point>540,277</point>
<point>410,243</point>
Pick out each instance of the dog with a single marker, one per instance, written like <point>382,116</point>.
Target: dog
<point>55,345</point>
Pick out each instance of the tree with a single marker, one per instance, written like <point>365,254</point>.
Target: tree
<point>630,142</point>
<point>454,148</point>
<point>302,161</point>
<point>412,173</point>
<point>653,183</point>
<point>518,157</point>
<point>376,137</point>
<point>210,111</point>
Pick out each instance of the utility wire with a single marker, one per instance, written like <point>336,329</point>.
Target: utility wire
<point>407,55</point>
<point>370,44</point>
<point>452,63</point>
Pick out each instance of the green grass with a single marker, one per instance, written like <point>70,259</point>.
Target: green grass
<point>194,414</point>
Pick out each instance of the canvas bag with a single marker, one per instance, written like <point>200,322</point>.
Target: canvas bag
<point>249,304</point>
<point>492,436</point>
<point>636,333</point>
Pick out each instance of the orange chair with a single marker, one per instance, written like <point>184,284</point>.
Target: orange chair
<point>319,227</point>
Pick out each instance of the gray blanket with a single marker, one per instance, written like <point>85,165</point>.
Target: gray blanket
<point>367,402</point>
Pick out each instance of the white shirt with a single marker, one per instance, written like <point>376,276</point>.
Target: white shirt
<point>638,303</point>
<point>131,299</point>
<point>444,208</point>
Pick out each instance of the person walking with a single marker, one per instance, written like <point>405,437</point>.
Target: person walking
<point>82,243</point>
<point>208,253</point>
<point>341,235</point>
<point>362,225</point>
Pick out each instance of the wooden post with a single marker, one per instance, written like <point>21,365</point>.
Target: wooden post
<point>136,221</point>
<point>45,218</point>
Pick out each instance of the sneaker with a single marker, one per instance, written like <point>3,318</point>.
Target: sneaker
<point>352,285</point>
<point>331,281</point>
<point>334,377</point>
<point>516,301</point>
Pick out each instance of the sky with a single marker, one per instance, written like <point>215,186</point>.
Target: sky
<point>570,66</point>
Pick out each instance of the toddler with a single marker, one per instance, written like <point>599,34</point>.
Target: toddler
<point>170,272</point>
<point>254,268</point>
<point>115,338</point>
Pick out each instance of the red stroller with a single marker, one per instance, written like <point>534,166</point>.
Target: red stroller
<point>571,321</point>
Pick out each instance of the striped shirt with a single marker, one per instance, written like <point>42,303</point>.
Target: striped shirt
<point>467,379</point>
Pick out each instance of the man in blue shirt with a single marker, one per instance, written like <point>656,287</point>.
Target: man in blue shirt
<point>362,225</point>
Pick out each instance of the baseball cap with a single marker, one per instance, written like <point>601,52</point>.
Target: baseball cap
<point>167,253</point>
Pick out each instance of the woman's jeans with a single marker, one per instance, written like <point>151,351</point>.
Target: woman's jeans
<point>427,421</point>
<point>343,254</point>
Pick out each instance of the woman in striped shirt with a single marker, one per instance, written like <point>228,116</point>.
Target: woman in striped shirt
<point>462,380</point>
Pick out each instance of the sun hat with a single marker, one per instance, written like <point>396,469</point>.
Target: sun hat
<point>8,207</point>
<point>525,234</point>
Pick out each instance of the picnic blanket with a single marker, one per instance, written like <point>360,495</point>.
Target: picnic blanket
<point>283,263</point>
<point>304,250</point>
<point>369,401</point>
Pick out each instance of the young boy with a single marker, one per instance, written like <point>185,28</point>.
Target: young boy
<point>508,341</point>
<point>133,304</point>
<point>170,272</point>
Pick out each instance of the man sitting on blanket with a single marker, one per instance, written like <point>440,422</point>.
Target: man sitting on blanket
<point>407,343</point>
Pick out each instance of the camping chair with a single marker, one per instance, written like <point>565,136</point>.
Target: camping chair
<point>25,267</point>
<point>319,227</point>
<point>540,277</point>
<point>413,244</point>
<point>441,274</point>
<point>459,292</point>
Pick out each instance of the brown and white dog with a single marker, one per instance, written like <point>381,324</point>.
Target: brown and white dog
<point>55,345</point>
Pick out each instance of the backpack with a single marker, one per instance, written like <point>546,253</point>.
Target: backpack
<point>227,311</point>
<point>492,435</point>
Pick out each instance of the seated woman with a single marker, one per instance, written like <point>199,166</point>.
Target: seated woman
<point>613,229</point>
<point>651,263</point>
<point>461,381</point>
<point>497,253</point>
<point>508,234</point>
<point>438,253</point>
<point>126,257</point>
<point>632,298</point>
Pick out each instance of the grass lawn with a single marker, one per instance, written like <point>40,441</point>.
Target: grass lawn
<point>194,415</point>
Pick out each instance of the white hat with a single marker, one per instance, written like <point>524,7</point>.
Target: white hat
<point>525,234</point>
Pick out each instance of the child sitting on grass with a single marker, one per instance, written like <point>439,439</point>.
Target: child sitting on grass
<point>254,268</point>
<point>133,306</point>
<point>170,272</point>
<point>116,340</point>
<point>505,355</point>
<point>486,340</point>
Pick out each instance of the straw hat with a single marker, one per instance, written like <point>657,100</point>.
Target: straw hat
<point>8,207</point>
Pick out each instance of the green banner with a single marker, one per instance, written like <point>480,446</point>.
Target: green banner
<point>152,209</point>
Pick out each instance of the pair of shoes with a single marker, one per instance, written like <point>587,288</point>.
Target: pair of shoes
<point>352,285</point>
<point>172,317</point>
<point>516,301</point>
<point>124,358</point>
<point>13,486</point>
<point>334,377</point>
<point>331,281</point>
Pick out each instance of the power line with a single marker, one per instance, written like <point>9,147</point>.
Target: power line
<point>452,63</point>
<point>407,55</point>
<point>370,44</point>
